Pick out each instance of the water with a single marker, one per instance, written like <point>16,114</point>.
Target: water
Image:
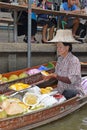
<point>74,121</point>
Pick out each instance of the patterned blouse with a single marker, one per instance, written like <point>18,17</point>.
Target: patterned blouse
<point>69,67</point>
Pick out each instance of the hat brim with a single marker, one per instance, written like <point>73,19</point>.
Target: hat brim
<point>64,36</point>
<point>58,41</point>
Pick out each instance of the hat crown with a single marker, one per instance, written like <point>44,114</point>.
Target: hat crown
<point>64,35</point>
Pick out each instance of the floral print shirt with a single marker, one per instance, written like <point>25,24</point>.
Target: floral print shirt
<point>69,67</point>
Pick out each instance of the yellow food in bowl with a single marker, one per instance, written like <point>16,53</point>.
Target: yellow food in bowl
<point>30,99</point>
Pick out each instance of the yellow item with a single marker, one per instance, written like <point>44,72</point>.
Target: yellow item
<point>25,107</point>
<point>13,100</point>
<point>0,76</point>
<point>30,99</point>
<point>13,77</point>
<point>19,86</point>
<point>44,73</point>
<point>23,75</point>
<point>46,90</point>
<point>49,88</point>
<point>3,114</point>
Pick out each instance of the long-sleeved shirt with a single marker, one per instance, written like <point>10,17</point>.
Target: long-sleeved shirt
<point>69,67</point>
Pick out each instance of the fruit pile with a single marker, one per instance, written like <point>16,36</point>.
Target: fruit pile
<point>27,101</point>
<point>4,79</point>
<point>19,86</point>
<point>46,90</point>
<point>11,106</point>
<point>12,77</point>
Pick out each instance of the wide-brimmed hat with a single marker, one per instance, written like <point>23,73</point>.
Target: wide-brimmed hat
<point>64,35</point>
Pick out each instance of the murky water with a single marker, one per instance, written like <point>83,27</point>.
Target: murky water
<point>74,121</point>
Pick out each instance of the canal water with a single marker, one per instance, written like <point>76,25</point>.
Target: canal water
<point>74,121</point>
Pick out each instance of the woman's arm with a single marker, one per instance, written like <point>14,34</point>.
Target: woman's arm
<point>63,79</point>
<point>60,78</point>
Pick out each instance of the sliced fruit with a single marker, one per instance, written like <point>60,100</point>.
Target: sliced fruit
<point>14,108</point>
<point>38,106</point>
<point>19,86</point>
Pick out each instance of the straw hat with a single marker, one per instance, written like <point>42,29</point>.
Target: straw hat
<point>64,35</point>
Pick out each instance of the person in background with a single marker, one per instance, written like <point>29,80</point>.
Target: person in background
<point>82,29</point>
<point>71,22</point>
<point>45,21</point>
<point>33,25</point>
<point>23,24</point>
<point>68,68</point>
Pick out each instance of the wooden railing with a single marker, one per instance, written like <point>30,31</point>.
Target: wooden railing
<point>37,10</point>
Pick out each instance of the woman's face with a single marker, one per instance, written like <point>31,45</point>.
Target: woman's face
<point>62,50</point>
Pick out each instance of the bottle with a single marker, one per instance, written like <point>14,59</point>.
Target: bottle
<point>52,7</point>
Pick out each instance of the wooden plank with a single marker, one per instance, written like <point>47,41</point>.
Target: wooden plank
<point>59,13</point>
<point>41,11</point>
<point>6,20</point>
<point>12,7</point>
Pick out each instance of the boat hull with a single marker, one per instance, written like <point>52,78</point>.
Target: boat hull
<point>41,117</point>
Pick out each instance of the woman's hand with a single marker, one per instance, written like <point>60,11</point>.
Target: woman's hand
<point>52,75</point>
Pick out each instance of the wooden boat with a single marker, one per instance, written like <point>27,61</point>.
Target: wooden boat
<point>84,68</point>
<point>30,79</point>
<point>43,116</point>
<point>34,78</point>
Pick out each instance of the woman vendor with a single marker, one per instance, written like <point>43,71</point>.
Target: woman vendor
<point>68,69</point>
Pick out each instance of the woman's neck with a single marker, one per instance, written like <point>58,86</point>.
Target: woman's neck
<point>65,54</point>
